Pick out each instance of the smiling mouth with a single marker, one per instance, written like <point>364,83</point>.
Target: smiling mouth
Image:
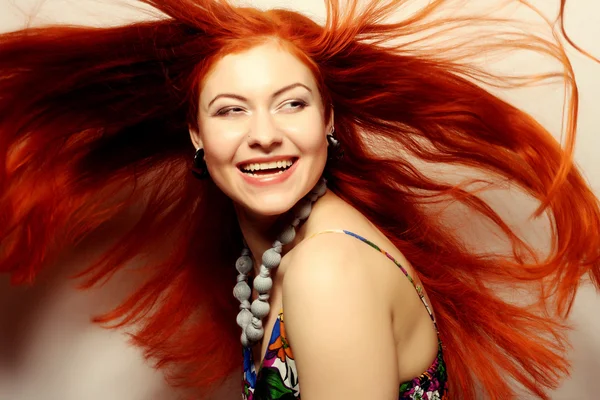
<point>268,168</point>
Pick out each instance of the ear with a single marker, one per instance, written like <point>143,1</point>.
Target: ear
<point>330,123</point>
<point>195,136</point>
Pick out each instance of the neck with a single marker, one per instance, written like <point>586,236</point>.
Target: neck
<point>259,232</point>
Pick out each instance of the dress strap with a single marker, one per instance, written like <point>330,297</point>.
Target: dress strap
<point>418,288</point>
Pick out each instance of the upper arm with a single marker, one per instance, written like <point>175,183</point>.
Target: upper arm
<point>338,324</point>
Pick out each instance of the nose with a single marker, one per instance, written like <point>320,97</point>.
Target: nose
<point>263,131</point>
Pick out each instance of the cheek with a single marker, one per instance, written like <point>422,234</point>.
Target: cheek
<point>309,136</point>
<point>315,145</point>
<point>219,145</point>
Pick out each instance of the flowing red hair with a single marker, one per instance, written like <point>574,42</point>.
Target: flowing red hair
<point>94,122</point>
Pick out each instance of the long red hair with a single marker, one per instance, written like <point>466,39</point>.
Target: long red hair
<point>94,123</point>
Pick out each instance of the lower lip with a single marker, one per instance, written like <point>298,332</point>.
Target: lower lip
<point>269,179</point>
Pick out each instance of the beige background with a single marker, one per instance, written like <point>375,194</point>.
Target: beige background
<point>50,351</point>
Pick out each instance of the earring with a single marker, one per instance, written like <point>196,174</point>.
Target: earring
<point>199,168</point>
<point>334,150</point>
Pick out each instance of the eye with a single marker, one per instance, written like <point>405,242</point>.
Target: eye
<point>229,111</point>
<point>294,105</point>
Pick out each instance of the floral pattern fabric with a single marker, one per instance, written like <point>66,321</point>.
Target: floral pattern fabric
<point>277,376</point>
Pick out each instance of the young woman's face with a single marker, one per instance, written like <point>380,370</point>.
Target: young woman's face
<point>262,127</point>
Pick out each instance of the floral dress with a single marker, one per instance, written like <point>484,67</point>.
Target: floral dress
<point>277,377</point>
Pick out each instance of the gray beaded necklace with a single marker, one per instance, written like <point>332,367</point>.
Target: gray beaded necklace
<point>250,316</point>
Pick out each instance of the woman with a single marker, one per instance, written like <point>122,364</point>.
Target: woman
<point>306,142</point>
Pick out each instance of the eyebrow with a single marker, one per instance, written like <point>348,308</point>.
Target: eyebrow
<point>277,93</point>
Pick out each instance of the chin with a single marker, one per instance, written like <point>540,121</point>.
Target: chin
<point>271,205</point>
<point>272,199</point>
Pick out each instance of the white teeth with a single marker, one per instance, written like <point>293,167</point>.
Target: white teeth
<point>269,165</point>
<point>275,173</point>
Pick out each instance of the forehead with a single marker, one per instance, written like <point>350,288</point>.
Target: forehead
<point>258,71</point>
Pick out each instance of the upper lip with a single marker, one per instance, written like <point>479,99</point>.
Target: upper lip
<point>259,160</point>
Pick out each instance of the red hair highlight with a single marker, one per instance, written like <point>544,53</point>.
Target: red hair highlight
<point>94,122</point>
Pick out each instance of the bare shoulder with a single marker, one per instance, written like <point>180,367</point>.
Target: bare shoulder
<point>337,262</point>
<point>327,268</point>
<point>324,256</point>
<point>332,304</point>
